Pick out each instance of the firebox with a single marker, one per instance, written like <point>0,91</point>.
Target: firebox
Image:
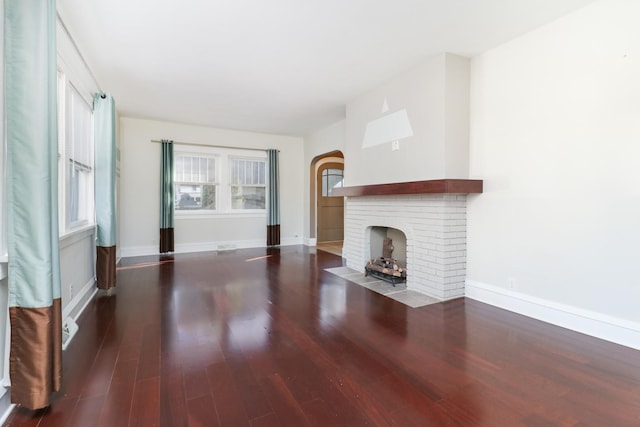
<point>386,267</point>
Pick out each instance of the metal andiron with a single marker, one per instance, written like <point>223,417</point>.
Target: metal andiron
<point>386,267</point>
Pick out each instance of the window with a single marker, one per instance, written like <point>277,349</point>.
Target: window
<point>216,181</point>
<point>331,178</point>
<point>195,182</point>
<point>79,132</point>
<point>75,150</point>
<point>248,189</point>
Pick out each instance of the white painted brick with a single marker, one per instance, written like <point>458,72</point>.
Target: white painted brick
<point>435,226</point>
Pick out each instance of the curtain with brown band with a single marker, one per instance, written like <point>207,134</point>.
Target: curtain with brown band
<point>166,196</point>
<point>105,189</point>
<point>273,204</point>
<point>35,363</point>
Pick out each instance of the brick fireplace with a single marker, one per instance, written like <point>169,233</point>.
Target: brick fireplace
<point>432,216</point>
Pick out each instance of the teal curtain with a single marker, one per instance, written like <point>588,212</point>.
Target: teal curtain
<point>32,200</point>
<point>104,116</point>
<point>166,197</point>
<point>273,203</point>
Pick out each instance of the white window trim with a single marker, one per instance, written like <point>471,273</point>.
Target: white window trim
<point>203,214</point>
<point>266,187</point>
<point>223,191</point>
<point>89,191</point>
<point>65,225</point>
<point>205,152</point>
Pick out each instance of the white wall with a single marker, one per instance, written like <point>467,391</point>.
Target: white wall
<point>456,125</point>
<point>140,174</point>
<point>77,271</point>
<point>326,140</point>
<point>77,247</point>
<point>435,98</point>
<point>555,135</point>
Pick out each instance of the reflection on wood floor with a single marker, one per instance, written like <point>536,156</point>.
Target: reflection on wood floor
<point>267,337</point>
<point>331,247</point>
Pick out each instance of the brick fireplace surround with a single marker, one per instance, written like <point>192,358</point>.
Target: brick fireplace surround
<point>431,214</point>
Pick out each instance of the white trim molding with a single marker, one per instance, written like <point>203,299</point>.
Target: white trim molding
<point>183,248</point>
<point>76,306</point>
<point>588,322</point>
<point>76,235</point>
<point>139,251</point>
<point>290,241</point>
<point>6,407</point>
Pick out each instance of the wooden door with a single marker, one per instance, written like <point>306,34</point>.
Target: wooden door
<point>330,208</point>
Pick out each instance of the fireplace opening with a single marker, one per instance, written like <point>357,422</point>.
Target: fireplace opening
<point>388,251</point>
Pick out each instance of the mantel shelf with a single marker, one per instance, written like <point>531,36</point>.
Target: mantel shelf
<point>434,186</point>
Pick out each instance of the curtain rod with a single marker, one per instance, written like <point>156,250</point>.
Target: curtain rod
<point>84,61</point>
<point>212,146</point>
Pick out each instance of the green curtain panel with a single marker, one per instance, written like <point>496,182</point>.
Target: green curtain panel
<point>166,197</point>
<point>32,201</point>
<point>273,208</point>
<point>104,113</point>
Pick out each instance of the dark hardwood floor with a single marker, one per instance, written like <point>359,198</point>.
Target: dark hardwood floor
<point>265,337</point>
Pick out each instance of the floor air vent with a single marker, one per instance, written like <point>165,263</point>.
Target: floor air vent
<point>69,329</point>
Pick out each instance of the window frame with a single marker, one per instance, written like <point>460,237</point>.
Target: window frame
<point>199,154</point>
<point>223,191</point>
<point>231,184</point>
<point>324,177</point>
<point>66,164</point>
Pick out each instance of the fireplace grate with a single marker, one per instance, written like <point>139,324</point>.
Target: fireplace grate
<point>384,276</point>
<point>385,267</point>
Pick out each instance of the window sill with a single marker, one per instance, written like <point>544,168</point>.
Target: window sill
<point>76,235</point>
<point>65,240</point>
<point>4,266</point>
<point>219,215</point>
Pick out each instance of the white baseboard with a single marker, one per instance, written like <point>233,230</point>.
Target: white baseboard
<point>74,309</point>
<point>139,251</point>
<point>183,248</point>
<point>5,406</point>
<point>312,241</point>
<point>79,302</point>
<point>588,322</point>
<point>290,241</point>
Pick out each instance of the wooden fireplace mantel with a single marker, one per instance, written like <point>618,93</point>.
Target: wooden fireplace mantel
<point>433,186</point>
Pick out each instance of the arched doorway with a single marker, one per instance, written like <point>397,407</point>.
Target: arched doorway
<point>330,208</point>
<point>327,210</point>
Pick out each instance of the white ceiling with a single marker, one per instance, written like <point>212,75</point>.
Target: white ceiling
<point>277,66</point>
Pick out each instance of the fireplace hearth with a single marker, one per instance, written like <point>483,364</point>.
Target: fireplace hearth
<point>432,217</point>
